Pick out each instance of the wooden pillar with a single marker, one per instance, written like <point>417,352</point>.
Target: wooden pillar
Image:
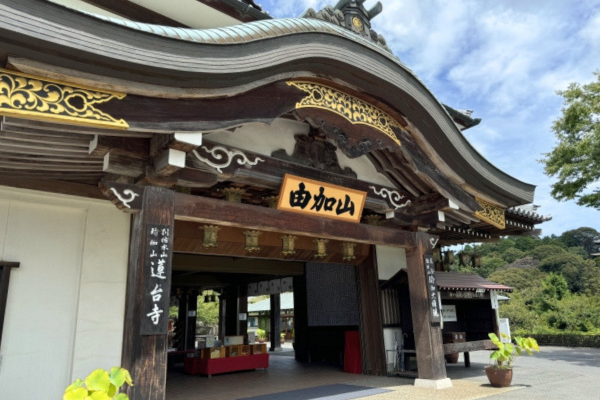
<point>300,319</point>
<point>371,328</point>
<point>428,335</point>
<point>181,325</point>
<point>144,355</point>
<point>222,315</point>
<point>190,319</point>
<point>243,309</point>
<point>275,322</point>
<point>231,311</point>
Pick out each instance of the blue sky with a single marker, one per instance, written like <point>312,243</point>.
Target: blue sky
<point>503,59</point>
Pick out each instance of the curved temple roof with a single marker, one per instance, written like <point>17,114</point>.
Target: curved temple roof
<point>246,55</point>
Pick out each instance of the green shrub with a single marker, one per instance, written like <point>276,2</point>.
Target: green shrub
<point>100,385</point>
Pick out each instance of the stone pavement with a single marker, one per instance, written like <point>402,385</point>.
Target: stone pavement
<point>556,373</point>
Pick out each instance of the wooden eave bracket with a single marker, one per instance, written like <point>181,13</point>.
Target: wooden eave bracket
<point>127,198</point>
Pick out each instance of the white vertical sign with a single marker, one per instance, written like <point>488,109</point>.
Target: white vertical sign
<point>494,298</point>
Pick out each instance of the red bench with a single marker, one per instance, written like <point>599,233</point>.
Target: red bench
<point>213,366</point>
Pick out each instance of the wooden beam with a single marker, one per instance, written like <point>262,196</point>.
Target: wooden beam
<point>475,345</point>
<point>234,265</point>
<point>269,171</point>
<point>428,336</point>
<point>169,162</point>
<point>207,210</point>
<point>232,242</point>
<point>116,163</point>
<point>194,178</point>
<point>54,186</point>
<point>184,141</point>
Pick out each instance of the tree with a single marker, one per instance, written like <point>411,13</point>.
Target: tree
<point>574,160</point>
<point>583,237</point>
<point>520,279</point>
<point>512,254</point>
<point>546,250</point>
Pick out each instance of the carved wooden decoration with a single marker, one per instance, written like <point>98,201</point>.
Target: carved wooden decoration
<point>234,195</point>
<point>289,242</point>
<point>315,151</point>
<point>272,201</point>
<point>491,214</point>
<point>127,198</point>
<point>348,251</point>
<point>321,248</point>
<point>211,233</point>
<point>29,96</point>
<point>373,219</point>
<point>252,241</point>
<point>353,109</point>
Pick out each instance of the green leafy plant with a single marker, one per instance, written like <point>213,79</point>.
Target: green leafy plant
<point>282,335</point>
<point>100,385</point>
<point>261,334</point>
<point>504,356</point>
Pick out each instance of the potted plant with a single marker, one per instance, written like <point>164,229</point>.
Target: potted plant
<point>261,336</point>
<point>500,374</point>
<point>282,337</point>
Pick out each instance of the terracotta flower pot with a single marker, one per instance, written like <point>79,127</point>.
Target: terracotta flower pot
<point>499,377</point>
<point>452,358</point>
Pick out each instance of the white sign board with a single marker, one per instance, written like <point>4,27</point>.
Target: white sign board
<point>504,328</point>
<point>449,313</point>
<point>494,298</point>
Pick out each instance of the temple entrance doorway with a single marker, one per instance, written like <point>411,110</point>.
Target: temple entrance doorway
<point>219,301</point>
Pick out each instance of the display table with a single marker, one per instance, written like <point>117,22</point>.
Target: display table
<point>213,366</point>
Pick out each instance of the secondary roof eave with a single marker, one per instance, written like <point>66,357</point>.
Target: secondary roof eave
<point>224,58</point>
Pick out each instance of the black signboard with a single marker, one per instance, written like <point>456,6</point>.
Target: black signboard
<point>432,289</point>
<point>157,279</point>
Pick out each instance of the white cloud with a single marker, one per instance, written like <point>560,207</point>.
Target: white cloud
<point>505,60</point>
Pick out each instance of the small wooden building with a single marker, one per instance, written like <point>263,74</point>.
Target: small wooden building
<point>150,152</point>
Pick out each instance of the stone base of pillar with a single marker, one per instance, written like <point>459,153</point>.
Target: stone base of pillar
<point>433,383</point>
<point>275,349</point>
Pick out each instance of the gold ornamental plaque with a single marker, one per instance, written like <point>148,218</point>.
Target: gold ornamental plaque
<point>307,196</point>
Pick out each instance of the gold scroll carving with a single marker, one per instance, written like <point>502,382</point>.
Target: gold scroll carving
<point>29,96</point>
<point>355,110</point>
<point>491,214</point>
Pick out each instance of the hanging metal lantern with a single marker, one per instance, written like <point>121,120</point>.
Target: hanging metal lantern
<point>289,242</point>
<point>348,251</point>
<point>252,241</point>
<point>321,248</point>
<point>210,236</point>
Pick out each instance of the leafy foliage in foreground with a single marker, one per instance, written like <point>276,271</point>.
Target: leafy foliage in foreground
<point>507,352</point>
<point>100,385</point>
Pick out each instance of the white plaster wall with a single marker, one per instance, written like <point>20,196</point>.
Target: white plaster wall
<point>65,305</point>
<point>265,139</point>
<point>390,260</point>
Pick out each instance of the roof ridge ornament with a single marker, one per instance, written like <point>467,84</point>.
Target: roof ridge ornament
<point>352,15</point>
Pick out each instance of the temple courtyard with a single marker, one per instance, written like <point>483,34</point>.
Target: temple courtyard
<point>555,373</point>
